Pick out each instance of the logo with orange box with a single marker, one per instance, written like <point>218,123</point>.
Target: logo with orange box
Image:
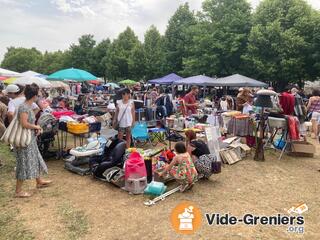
<point>186,218</point>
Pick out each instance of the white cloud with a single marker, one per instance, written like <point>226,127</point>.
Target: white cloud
<point>61,22</point>
<point>74,6</point>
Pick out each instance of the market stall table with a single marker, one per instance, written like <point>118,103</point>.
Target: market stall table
<point>64,131</point>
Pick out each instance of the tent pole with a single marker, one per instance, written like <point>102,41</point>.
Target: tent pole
<point>173,92</point>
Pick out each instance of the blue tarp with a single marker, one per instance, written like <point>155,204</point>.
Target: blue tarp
<point>166,80</point>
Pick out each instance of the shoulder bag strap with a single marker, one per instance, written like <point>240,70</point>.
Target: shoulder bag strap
<point>124,112</point>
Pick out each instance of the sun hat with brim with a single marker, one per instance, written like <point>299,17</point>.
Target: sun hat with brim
<point>12,88</point>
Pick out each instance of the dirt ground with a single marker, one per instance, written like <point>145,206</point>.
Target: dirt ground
<point>77,207</point>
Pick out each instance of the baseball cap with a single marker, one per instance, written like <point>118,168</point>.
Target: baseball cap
<point>11,88</point>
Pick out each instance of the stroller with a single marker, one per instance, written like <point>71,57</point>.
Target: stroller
<point>101,154</point>
<point>113,157</point>
<point>49,124</point>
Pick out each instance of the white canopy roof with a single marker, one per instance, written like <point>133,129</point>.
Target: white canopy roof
<point>8,73</point>
<point>30,73</point>
<point>42,83</point>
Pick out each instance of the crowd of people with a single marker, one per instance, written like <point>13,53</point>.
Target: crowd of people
<point>26,103</point>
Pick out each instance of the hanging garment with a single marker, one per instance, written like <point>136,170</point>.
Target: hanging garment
<point>293,127</point>
<point>287,101</point>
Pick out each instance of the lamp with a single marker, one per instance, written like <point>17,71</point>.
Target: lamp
<point>264,101</point>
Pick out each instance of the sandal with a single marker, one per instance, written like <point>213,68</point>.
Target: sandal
<point>44,184</point>
<point>22,195</point>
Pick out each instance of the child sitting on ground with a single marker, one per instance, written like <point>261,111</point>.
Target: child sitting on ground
<point>182,167</point>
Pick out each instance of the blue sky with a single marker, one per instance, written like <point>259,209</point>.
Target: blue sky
<point>55,24</point>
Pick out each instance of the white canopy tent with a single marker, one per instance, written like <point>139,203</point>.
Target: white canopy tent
<point>30,73</point>
<point>8,73</point>
<point>42,83</point>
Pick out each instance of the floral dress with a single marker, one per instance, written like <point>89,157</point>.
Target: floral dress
<point>30,163</point>
<point>185,171</point>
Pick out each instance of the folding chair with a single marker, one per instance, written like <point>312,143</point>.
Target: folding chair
<point>157,135</point>
<point>140,135</point>
<point>278,124</point>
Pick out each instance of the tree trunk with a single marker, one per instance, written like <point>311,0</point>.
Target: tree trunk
<point>259,155</point>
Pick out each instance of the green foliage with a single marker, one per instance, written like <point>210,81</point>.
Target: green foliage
<point>22,59</point>
<point>136,62</point>
<point>100,53</point>
<point>81,55</point>
<point>281,42</point>
<point>219,38</point>
<point>176,38</point>
<point>154,54</point>
<point>52,62</point>
<point>122,48</point>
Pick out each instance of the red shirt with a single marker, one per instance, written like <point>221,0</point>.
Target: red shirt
<point>190,99</point>
<point>287,103</point>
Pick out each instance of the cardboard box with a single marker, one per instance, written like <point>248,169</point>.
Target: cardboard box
<point>230,156</point>
<point>303,148</point>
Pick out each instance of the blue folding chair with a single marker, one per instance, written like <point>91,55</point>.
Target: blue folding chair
<point>140,134</point>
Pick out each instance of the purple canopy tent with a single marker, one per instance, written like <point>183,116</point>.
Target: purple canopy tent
<point>199,80</point>
<point>166,80</point>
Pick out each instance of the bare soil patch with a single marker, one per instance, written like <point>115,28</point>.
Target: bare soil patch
<point>77,207</point>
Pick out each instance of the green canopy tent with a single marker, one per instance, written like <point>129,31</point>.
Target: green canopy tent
<point>127,82</point>
<point>74,74</point>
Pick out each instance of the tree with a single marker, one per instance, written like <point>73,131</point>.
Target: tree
<point>136,63</point>
<point>22,59</point>
<point>175,38</point>
<point>219,38</point>
<point>313,61</point>
<point>99,56</point>
<point>81,55</point>
<point>117,61</point>
<point>52,62</point>
<point>281,42</point>
<point>154,54</point>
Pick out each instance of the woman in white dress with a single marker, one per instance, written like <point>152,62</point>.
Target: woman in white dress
<point>125,116</point>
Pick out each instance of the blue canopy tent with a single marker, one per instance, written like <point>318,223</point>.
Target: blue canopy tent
<point>199,80</point>
<point>166,80</point>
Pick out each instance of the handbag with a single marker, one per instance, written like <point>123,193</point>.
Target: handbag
<point>116,127</point>
<point>16,134</point>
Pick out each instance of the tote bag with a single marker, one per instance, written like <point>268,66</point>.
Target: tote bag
<point>16,134</point>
